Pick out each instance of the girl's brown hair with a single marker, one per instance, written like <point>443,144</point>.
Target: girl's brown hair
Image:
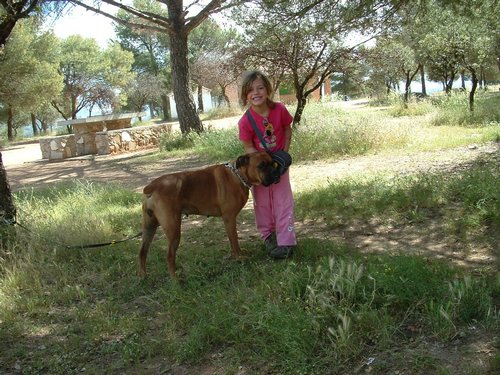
<point>246,84</point>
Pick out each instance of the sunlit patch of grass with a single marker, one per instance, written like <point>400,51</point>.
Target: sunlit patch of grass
<point>80,208</point>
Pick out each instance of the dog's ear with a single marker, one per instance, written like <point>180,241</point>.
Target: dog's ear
<point>242,160</point>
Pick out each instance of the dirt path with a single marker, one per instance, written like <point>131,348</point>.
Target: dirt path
<point>25,171</point>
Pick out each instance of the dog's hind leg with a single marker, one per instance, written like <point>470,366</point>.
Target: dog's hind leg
<point>169,217</point>
<point>149,226</point>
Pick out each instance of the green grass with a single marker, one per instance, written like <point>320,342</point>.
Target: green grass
<point>455,110</point>
<point>474,192</point>
<point>69,311</point>
<point>221,112</point>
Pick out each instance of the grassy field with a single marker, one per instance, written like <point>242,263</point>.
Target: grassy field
<point>330,310</point>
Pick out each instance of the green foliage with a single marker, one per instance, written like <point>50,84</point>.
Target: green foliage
<point>170,141</point>
<point>151,58</point>
<point>29,77</point>
<point>92,76</point>
<point>307,315</point>
<point>376,196</point>
<point>414,107</point>
<point>221,112</point>
<point>467,301</point>
<point>400,280</point>
<point>114,215</point>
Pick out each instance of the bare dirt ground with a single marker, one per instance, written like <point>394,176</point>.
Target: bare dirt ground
<point>474,348</point>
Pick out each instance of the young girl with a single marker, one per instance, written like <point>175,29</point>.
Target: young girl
<point>273,205</point>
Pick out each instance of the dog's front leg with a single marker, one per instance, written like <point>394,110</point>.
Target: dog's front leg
<point>174,238</point>
<point>232,234</point>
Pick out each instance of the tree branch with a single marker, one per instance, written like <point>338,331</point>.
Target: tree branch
<point>161,23</point>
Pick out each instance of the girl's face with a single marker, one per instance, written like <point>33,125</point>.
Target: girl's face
<point>257,95</point>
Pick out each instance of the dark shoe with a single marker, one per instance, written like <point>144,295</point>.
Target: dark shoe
<point>270,243</point>
<point>281,252</point>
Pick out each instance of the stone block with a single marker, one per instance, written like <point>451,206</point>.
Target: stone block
<point>56,155</point>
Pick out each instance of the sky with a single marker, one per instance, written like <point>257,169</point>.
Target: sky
<point>85,23</point>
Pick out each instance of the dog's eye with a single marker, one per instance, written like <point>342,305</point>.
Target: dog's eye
<point>262,165</point>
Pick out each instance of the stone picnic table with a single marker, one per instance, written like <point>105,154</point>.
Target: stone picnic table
<point>91,136</point>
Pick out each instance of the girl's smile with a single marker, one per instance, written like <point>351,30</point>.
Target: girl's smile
<point>258,95</point>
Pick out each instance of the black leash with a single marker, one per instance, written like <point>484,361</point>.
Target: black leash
<point>111,243</point>
<point>15,222</point>
<point>256,130</point>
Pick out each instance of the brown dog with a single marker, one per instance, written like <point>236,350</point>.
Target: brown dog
<point>218,190</point>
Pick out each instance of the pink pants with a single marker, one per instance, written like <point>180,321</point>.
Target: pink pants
<point>273,206</point>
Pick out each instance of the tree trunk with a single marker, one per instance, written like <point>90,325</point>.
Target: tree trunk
<point>151,110</point>
<point>409,78</point>
<point>33,124</point>
<point>184,102</point>
<point>407,89</point>
<point>224,94</point>
<point>7,208</point>
<point>201,108</point>
<point>73,107</point>
<point>449,84</point>
<point>10,124</point>
<point>422,80</point>
<point>473,89</point>
<point>301,103</point>
<point>462,79</point>
<point>165,105</point>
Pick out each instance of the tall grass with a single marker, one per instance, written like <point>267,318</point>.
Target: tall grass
<point>328,132</point>
<point>454,109</point>
<point>222,112</point>
<point>214,145</point>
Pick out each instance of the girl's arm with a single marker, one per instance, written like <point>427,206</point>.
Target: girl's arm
<point>248,146</point>
<point>288,137</point>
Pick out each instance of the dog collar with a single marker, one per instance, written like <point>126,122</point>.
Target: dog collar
<point>236,172</point>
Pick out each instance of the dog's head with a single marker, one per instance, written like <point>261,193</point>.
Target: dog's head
<point>269,129</point>
<point>258,168</point>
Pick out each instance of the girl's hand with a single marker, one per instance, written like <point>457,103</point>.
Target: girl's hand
<point>248,147</point>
